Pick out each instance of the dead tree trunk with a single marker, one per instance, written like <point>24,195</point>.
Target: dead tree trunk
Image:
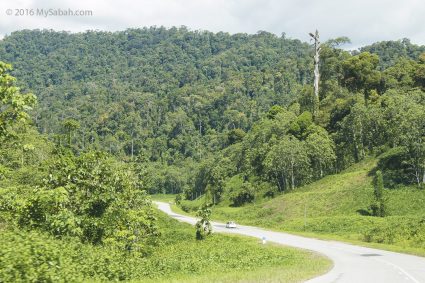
<point>316,68</point>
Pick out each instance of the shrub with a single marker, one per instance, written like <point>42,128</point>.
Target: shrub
<point>90,197</point>
<point>404,231</point>
<point>30,257</point>
<point>395,170</point>
<point>378,207</point>
<point>203,226</point>
<point>245,194</point>
<point>239,191</point>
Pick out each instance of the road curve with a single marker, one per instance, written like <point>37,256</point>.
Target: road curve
<point>352,264</point>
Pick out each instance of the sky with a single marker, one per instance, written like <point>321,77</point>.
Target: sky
<point>363,21</point>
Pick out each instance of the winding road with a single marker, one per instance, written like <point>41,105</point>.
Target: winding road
<point>352,264</point>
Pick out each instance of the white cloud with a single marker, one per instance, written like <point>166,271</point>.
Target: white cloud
<point>364,21</point>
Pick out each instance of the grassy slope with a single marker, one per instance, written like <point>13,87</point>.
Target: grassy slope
<point>36,256</point>
<point>225,258</point>
<point>336,207</point>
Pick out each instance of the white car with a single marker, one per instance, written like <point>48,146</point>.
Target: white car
<point>230,224</point>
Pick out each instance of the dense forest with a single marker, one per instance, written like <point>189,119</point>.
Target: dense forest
<point>201,112</point>
<point>91,122</point>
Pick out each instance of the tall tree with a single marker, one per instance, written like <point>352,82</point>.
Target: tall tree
<point>288,162</point>
<point>321,150</point>
<point>70,126</point>
<point>361,74</point>
<point>14,105</point>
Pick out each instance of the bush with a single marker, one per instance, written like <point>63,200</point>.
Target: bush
<point>245,194</point>
<point>404,231</point>
<point>90,197</point>
<point>394,168</point>
<point>36,257</point>
<point>378,207</point>
<point>203,226</point>
<point>340,225</point>
<point>239,191</point>
<point>190,206</point>
<point>30,257</point>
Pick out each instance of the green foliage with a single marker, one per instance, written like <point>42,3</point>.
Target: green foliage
<point>14,105</point>
<point>93,198</point>
<point>210,106</point>
<point>404,126</point>
<point>337,205</point>
<point>210,178</point>
<point>235,136</point>
<point>400,75</point>
<point>160,178</point>
<point>390,51</point>
<point>70,125</point>
<point>392,164</point>
<point>203,226</point>
<point>321,150</point>
<point>404,231</point>
<point>191,206</point>
<point>288,163</point>
<point>37,257</point>
<point>379,206</point>
<point>420,72</point>
<point>270,159</point>
<point>299,126</point>
<point>274,110</point>
<point>241,194</point>
<point>203,115</point>
<point>167,94</point>
<point>360,73</point>
<point>88,212</point>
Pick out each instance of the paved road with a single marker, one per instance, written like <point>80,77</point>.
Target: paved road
<point>352,264</point>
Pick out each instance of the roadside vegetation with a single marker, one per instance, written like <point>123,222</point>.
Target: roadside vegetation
<point>336,207</point>
<point>37,256</point>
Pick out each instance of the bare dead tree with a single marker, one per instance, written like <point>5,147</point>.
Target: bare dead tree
<point>315,37</point>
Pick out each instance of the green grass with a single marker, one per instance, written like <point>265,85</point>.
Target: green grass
<point>336,207</point>
<point>164,197</point>
<point>296,272</point>
<point>253,263</point>
<point>177,257</point>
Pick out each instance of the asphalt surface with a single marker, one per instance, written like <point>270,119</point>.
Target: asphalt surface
<point>352,264</point>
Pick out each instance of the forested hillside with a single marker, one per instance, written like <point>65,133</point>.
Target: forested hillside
<point>163,93</point>
<point>228,115</point>
<point>389,52</point>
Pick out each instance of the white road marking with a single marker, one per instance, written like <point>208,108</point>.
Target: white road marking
<point>401,270</point>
